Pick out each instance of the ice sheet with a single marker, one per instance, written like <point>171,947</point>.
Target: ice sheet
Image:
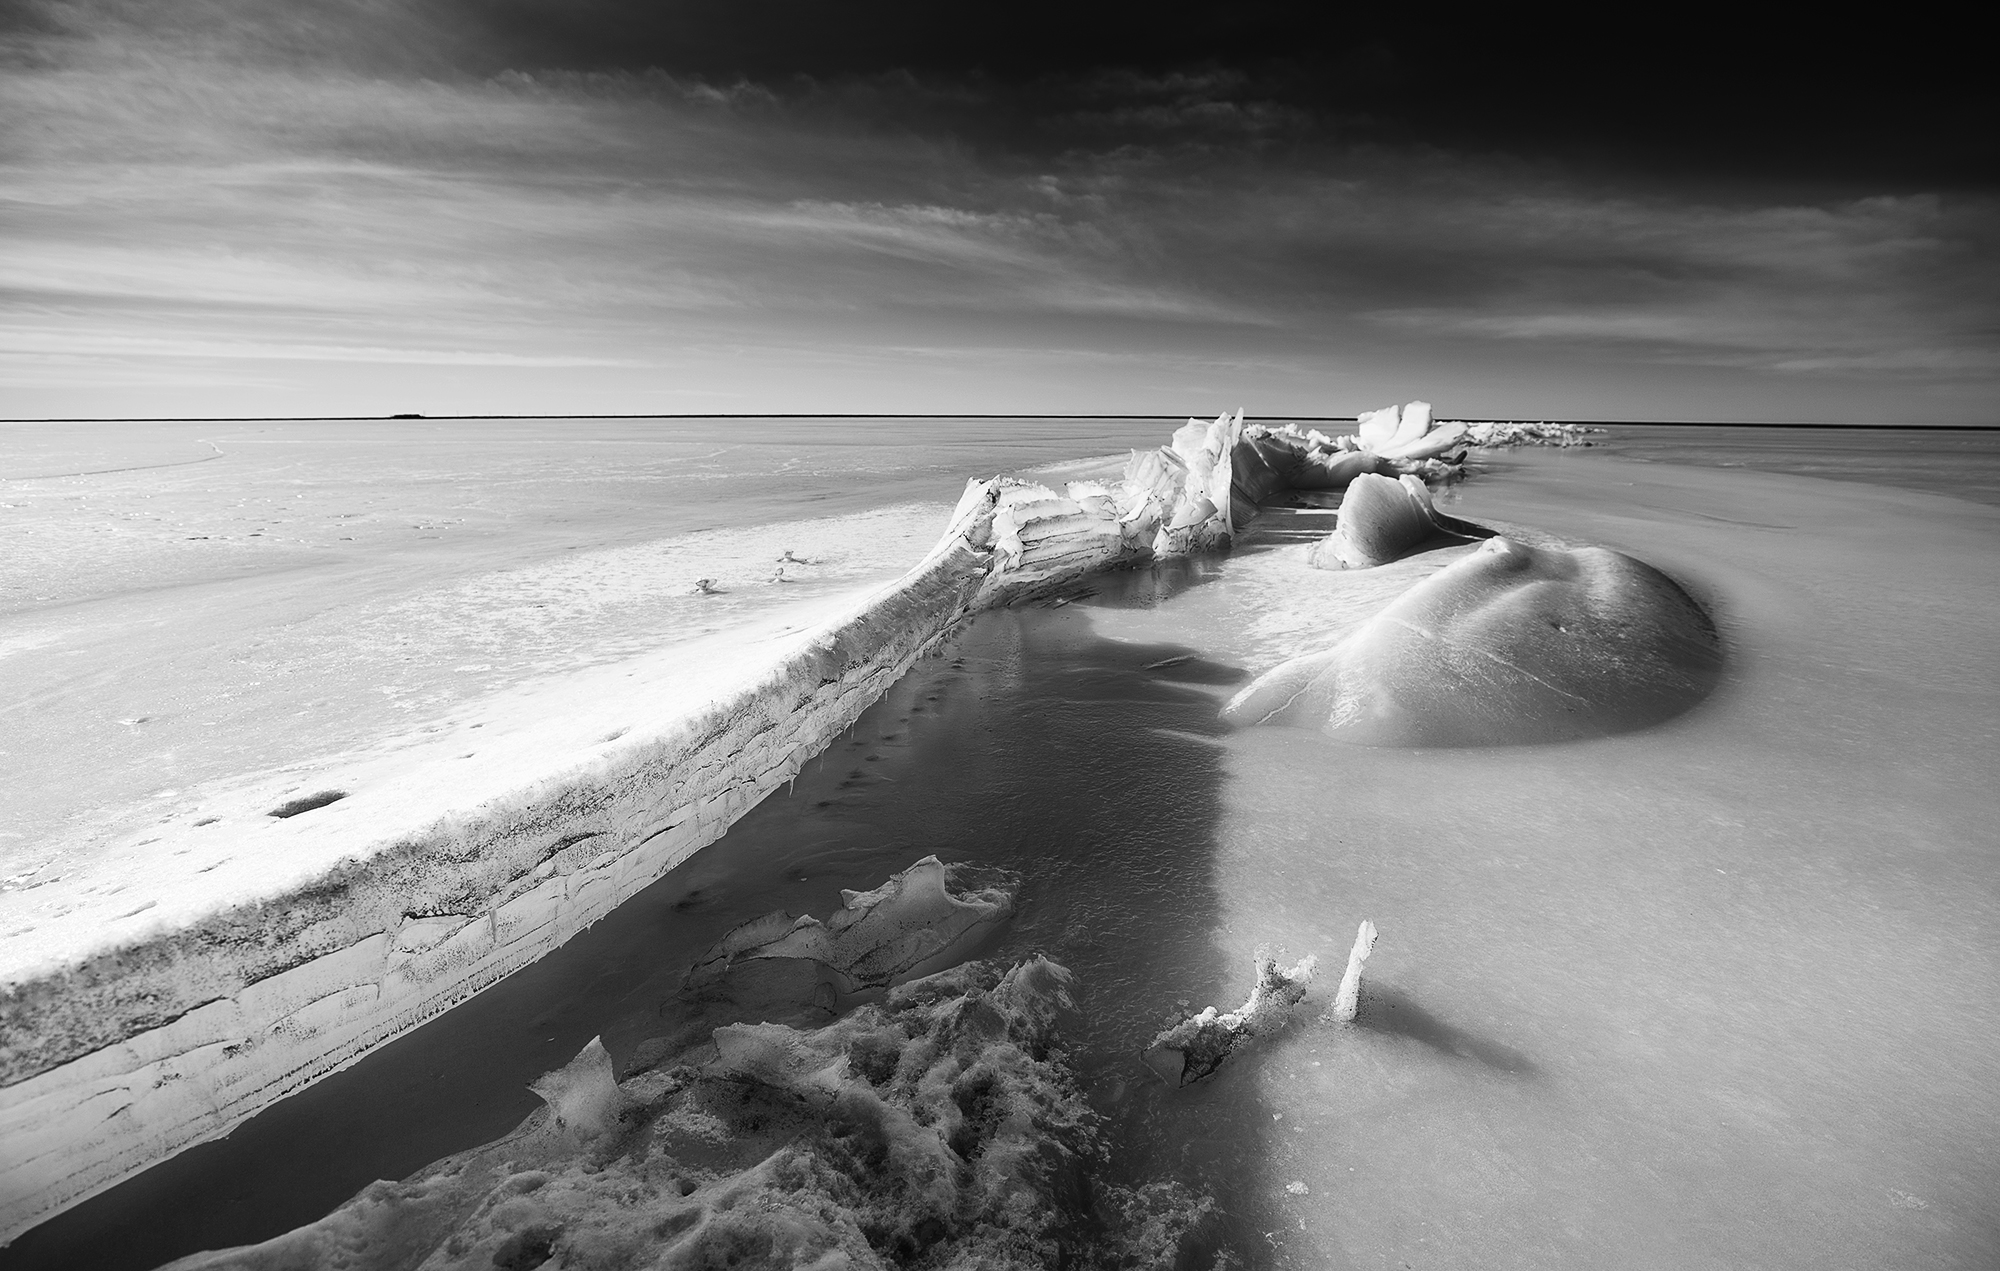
<point>1717,994</point>
<point>1712,995</point>
<point>182,603</point>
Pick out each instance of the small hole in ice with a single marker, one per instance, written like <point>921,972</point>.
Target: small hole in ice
<point>307,803</point>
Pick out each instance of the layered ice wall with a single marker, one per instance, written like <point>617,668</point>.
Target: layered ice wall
<point>420,882</point>
<point>286,931</point>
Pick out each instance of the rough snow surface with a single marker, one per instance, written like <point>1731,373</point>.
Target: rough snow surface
<point>939,1127</point>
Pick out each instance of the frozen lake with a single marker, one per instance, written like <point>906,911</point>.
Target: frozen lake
<point>1717,994</point>
<point>184,603</point>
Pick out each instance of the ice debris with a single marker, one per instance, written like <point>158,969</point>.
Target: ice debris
<point>938,1127</point>
<point>582,1095</point>
<point>1347,1000</point>
<point>909,924</point>
<point>1407,433</point>
<point>1196,1046</point>
<point>1193,495</point>
<point>1381,520</point>
<point>1492,433</point>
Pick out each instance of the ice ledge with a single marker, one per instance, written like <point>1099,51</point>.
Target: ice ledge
<point>236,956</point>
<point>277,950</point>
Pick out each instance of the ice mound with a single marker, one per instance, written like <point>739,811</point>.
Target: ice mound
<point>939,1127</point>
<point>1196,1046</point>
<point>1510,644</point>
<point>1381,520</point>
<point>907,925</point>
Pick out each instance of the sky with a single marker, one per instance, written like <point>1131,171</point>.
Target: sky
<point>254,208</point>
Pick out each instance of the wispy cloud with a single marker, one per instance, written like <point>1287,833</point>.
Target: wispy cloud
<point>308,188</point>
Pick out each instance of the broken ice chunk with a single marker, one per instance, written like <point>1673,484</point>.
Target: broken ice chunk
<point>1196,1047</point>
<point>1347,1002</point>
<point>909,923</point>
<point>583,1094</point>
<point>1378,428</point>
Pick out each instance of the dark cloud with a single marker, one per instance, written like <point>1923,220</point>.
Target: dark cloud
<point>1678,90</point>
<point>1101,209</point>
<point>1891,101</point>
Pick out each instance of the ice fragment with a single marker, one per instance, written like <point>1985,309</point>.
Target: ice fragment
<point>1347,1001</point>
<point>1196,1047</point>
<point>874,937</point>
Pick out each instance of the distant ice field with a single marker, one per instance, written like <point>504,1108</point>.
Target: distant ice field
<point>1964,463</point>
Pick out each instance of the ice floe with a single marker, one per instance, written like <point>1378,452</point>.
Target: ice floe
<point>1195,1047</point>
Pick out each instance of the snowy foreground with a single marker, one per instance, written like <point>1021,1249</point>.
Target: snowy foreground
<point>1698,983</point>
<point>189,969</point>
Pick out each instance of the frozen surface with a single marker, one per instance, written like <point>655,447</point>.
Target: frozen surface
<point>1961,462</point>
<point>184,603</point>
<point>1507,644</point>
<point>1380,520</point>
<point>1717,994</point>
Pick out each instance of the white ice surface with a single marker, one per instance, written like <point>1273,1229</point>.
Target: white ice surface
<point>202,614</point>
<point>1719,994</point>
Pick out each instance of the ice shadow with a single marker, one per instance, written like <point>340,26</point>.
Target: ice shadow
<point>1388,1010</point>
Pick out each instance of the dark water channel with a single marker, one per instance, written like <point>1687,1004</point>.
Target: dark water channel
<point>1088,768</point>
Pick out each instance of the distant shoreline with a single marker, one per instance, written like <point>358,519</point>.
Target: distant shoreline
<point>1303,419</point>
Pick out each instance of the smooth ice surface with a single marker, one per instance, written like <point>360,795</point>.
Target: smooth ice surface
<point>1717,994</point>
<point>1380,520</point>
<point>1961,462</point>
<point>1507,644</point>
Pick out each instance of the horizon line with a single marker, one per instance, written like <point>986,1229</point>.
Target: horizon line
<point>1308,419</point>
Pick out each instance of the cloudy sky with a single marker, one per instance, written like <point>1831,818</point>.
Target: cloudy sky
<point>267,207</point>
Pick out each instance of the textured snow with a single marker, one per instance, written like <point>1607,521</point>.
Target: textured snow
<point>938,1127</point>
